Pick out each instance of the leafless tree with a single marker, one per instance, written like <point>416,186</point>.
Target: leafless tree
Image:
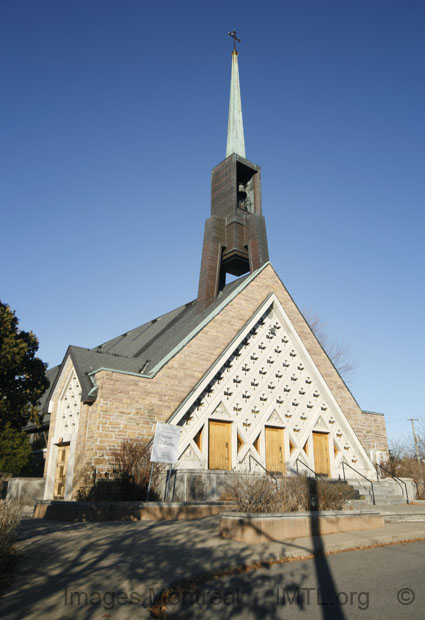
<point>338,351</point>
<point>399,448</point>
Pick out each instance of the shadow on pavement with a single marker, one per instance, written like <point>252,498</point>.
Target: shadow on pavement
<point>331,609</point>
<point>77,570</point>
<point>87,570</point>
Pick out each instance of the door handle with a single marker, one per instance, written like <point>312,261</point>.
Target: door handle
<point>227,450</point>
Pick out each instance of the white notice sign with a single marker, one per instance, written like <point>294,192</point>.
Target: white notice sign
<point>166,443</point>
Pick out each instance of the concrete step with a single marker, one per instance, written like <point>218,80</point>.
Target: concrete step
<point>395,502</point>
<point>386,491</point>
<point>402,517</point>
<point>366,498</point>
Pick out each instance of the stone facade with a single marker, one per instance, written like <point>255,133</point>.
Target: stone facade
<point>374,434</point>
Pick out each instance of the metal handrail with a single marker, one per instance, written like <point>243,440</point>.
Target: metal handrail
<point>358,472</point>
<point>305,465</point>
<point>262,467</point>
<point>398,480</point>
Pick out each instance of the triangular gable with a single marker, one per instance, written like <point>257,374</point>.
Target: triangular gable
<point>66,368</point>
<point>66,393</point>
<point>268,377</point>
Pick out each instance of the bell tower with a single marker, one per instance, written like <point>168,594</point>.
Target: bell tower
<point>235,239</point>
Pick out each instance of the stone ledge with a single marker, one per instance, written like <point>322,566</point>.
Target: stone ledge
<point>279,527</point>
<point>124,511</point>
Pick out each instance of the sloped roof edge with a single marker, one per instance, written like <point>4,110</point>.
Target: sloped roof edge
<point>189,337</point>
<point>87,379</point>
<point>48,394</point>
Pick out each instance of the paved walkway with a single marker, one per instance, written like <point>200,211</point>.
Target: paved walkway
<point>75,570</point>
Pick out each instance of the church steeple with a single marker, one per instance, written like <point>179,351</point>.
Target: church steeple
<point>235,135</point>
<point>235,239</point>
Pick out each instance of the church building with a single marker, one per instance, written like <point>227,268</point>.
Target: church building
<point>238,368</point>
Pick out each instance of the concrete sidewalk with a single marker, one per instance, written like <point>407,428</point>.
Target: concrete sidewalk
<point>72,570</point>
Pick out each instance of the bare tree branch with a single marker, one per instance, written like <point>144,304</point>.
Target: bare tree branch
<point>337,351</point>
<point>399,449</point>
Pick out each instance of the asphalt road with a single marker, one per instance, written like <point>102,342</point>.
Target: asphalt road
<point>381,583</point>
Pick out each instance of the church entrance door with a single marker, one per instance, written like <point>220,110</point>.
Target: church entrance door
<point>321,454</point>
<point>219,456</point>
<point>60,475</point>
<point>275,460</point>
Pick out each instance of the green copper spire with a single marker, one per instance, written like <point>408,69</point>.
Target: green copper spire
<point>235,135</point>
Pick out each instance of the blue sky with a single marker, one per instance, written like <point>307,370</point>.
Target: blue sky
<point>113,115</point>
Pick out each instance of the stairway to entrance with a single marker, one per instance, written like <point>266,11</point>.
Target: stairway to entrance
<point>386,491</point>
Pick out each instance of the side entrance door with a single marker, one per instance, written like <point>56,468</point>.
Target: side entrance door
<point>60,474</point>
<point>275,457</point>
<point>321,454</point>
<point>219,449</point>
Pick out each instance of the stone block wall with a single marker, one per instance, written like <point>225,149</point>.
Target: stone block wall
<point>374,432</point>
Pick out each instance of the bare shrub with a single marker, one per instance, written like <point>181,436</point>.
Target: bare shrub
<point>10,518</point>
<point>293,494</point>
<point>131,467</point>
<point>333,495</point>
<point>303,493</point>
<point>132,463</point>
<point>253,493</point>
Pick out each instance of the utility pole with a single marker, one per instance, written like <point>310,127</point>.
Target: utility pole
<point>415,439</point>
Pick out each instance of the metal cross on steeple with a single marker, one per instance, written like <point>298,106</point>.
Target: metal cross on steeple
<point>235,38</point>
